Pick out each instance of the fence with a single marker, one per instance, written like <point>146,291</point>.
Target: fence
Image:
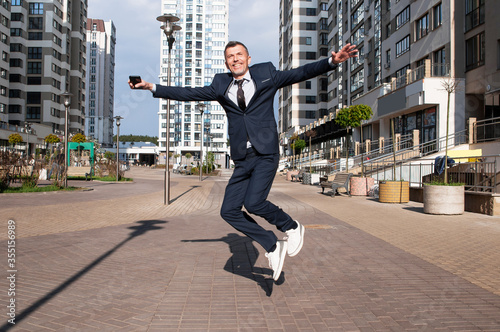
<point>480,175</point>
<point>486,130</point>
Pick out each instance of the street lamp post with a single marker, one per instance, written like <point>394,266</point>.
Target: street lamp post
<point>208,145</point>
<point>168,28</point>
<point>118,118</point>
<point>200,108</point>
<point>67,102</point>
<point>27,127</point>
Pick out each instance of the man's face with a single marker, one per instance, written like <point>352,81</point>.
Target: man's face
<point>237,61</point>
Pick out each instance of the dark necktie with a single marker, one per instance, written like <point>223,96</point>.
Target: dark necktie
<point>240,95</point>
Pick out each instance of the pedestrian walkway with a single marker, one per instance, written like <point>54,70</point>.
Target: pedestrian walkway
<point>116,259</point>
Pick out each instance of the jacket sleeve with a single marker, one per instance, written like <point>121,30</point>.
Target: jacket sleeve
<point>204,93</point>
<point>302,73</point>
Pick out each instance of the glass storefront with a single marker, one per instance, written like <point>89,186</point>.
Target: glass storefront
<point>424,121</point>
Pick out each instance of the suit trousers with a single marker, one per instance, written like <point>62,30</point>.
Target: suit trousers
<point>249,187</point>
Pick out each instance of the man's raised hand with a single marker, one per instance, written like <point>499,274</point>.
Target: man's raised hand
<point>347,52</point>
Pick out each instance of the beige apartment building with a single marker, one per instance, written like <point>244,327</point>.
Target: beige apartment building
<point>43,45</point>
<point>408,49</point>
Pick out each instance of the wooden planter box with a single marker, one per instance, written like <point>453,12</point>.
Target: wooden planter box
<point>361,186</point>
<point>394,192</point>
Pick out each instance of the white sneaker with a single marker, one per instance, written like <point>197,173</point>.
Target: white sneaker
<point>277,258</point>
<point>295,239</point>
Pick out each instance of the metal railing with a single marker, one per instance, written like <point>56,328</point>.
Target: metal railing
<point>479,175</point>
<point>487,130</point>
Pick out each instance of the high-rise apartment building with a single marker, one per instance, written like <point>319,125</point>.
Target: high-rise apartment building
<point>43,55</point>
<point>303,38</point>
<point>5,16</point>
<point>407,50</point>
<point>101,41</point>
<point>197,55</point>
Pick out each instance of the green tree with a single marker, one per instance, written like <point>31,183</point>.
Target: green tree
<point>79,138</point>
<point>51,138</point>
<point>109,155</point>
<point>15,139</point>
<point>188,155</point>
<point>352,117</point>
<point>299,145</point>
<point>209,160</point>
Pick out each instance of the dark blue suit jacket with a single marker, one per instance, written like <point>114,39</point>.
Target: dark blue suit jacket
<point>257,122</point>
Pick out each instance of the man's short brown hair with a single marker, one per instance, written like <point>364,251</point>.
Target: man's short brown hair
<point>234,43</point>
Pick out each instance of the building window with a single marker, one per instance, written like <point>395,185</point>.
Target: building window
<point>17,17</point>
<point>401,76</point>
<point>35,35</point>
<point>16,63</point>
<point>440,63</point>
<point>34,52</point>
<point>310,11</point>
<point>310,114</point>
<point>34,98</point>
<point>438,16</point>
<point>311,26</point>
<point>474,51</point>
<point>310,99</point>
<point>34,80</point>
<point>16,32</point>
<point>33,113</point>
<point>422,27</point>
<point>498,54</point>
<point>36,8</point>
<point>323,24</point>
<point>403,17</point>
<point>311,55</point>
<point>14,108</point>
<point>34,67</point>
<point>323,39</point>
<point>14,78</point>
<point>357,17</point>
<point>403,46</point>
<point>35,23</point>
<point>474,13</point>
<point>14,93</point>
<point>357,80</point>
<point>15,47</point>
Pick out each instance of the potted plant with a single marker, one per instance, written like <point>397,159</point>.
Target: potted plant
<point>392,191</point>
<point>348,118</point>
<point>442,197</point>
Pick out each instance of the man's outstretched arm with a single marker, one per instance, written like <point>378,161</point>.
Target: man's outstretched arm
<point>205,93</point>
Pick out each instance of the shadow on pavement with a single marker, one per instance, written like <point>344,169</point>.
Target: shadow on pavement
<point>419,209</point>
<point>184,193</point>
<point>242,261</point>
<point>143,227</point>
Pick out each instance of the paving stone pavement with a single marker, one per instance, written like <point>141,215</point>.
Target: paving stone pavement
<point>116,259</point>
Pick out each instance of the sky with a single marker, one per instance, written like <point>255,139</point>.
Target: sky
<point>138,33</point>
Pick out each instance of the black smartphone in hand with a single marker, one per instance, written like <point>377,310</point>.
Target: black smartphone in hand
<point>135,80</point>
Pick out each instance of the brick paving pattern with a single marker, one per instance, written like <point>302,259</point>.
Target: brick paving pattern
<point>116,259</point>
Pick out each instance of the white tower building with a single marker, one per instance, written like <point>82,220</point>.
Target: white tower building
<point>197,55</point>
